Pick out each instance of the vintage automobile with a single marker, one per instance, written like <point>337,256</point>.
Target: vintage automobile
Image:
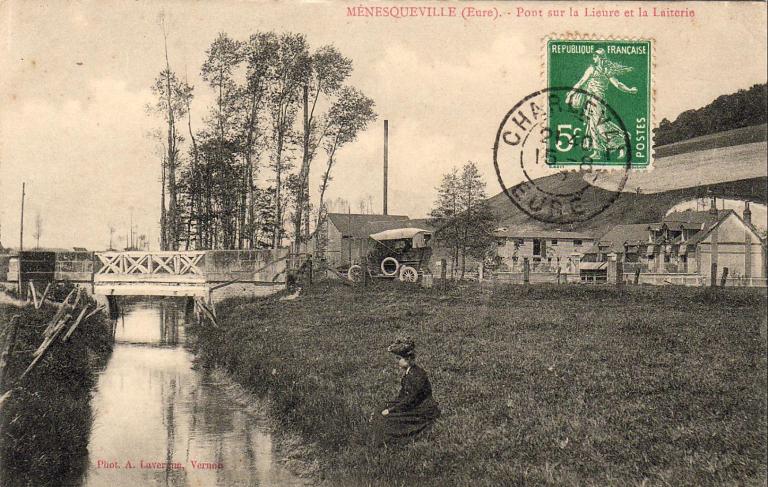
<point>401,253</point>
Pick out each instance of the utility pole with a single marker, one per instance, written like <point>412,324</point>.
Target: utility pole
<point>21,233</point>
<point>386,163</point>
<point>21,227</point>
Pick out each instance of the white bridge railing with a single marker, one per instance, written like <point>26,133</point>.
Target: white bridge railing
<point>173,263</point>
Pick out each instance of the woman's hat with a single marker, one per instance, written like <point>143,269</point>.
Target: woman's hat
<point>403,346</point>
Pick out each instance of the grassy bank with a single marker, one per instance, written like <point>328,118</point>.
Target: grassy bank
<point>45,424</point>
<point>571,385</point>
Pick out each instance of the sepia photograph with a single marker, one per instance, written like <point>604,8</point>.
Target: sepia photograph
<point>390,243</point>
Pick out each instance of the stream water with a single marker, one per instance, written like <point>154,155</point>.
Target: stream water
<point>159,422</point>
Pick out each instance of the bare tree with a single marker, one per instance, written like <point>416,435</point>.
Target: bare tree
<point>327,73</point>
<point>173,98</point>
<point>38,228</point>
<point>111,227</point>
<point>261,54</point>
<point>291,71</point>
<point>349,115</point>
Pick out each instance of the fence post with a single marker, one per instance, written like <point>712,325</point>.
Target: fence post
<point>713,275</point>
<point>443,272</point>
<point>526,271</point>
<point>558,275</point>
<point>724,277</point>
<point>637,276</point>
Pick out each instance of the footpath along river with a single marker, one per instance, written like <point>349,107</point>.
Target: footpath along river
<point>159,422</point>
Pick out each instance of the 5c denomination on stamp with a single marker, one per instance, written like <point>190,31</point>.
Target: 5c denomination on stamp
<point>524,160</point>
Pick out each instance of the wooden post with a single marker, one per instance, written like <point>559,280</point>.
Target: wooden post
<point>526,271</point>
<point>713,275</point>
<point>443,272</point>
<point>724,277</point>
<point>619,273</point>
<point>349,232</point>
<point>558,275</point>
<point>637,275</point>
<point>22,294</point>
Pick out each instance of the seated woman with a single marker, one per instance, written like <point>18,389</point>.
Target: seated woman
<point>413,410</point>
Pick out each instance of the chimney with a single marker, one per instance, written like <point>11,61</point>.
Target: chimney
<point>713,205</point>
<point>747,213</point>
<point>386,161</point>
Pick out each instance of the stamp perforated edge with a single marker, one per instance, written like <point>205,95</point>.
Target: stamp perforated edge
<point>581,36</point>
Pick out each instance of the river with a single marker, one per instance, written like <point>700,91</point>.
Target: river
<point>157,421</point>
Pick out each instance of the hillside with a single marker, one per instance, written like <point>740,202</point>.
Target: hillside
<point>683,171</point>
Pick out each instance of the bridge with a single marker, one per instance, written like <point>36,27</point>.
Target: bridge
<point>209,274</point>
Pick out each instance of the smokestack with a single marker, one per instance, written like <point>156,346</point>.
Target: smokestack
<point>713,205</point>
<point>747,212</point>
<point>386,161</point>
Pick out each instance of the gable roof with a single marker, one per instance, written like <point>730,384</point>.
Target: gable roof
<point>712,224</point>
<point>360,225</point>
<point>613,241</point>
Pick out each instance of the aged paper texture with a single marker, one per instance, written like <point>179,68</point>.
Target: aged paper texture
<point>382,243</point>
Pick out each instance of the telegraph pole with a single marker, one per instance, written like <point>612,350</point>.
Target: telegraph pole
<point>21,228</point>
<point>21,233</point>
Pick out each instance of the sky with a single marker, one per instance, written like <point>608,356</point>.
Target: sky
<point>77,76</point>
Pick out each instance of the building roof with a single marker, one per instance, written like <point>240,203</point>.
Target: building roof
<point>613,241</point>
<point>637,235</point>
<point>692,217</point>
<point>549,234</point>
<point>710,225</point>
<point>362,225</point>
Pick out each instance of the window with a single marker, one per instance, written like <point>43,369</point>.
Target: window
<point>554,242</point>
<point>536,247</point>
<point>577,243</point>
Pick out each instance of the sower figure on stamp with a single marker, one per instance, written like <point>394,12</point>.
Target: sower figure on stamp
<point>604,135</point>
<point>414,409</point>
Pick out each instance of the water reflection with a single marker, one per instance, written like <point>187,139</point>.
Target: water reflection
<point>158,422</point>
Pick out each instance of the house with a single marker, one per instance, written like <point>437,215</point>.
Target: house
<point>544,249</point>
<point>687,242</point>
<point>343,237</point>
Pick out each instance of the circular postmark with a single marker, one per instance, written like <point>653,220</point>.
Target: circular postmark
<point>551,167</point>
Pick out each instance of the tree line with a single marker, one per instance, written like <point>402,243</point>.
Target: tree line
<point>241,180</point>
<point>741,109</point>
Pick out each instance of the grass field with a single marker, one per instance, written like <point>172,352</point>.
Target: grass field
<point>559,385</point>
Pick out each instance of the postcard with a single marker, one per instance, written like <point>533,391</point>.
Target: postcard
<point>383,243</point>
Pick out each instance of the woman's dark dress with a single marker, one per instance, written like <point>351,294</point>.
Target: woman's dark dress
<point>413,409</point>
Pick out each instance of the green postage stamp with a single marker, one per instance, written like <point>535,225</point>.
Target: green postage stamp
<point>600,111</point>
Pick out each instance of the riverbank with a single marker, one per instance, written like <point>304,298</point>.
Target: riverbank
<point>537,384</point>
<point>46,421</point>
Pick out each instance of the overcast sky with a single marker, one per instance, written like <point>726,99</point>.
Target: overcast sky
<point>76,78</point>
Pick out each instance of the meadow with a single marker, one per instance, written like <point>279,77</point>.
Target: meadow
<point>545,384</point>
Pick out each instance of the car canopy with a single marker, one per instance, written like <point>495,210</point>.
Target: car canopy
<point>418,235</point>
